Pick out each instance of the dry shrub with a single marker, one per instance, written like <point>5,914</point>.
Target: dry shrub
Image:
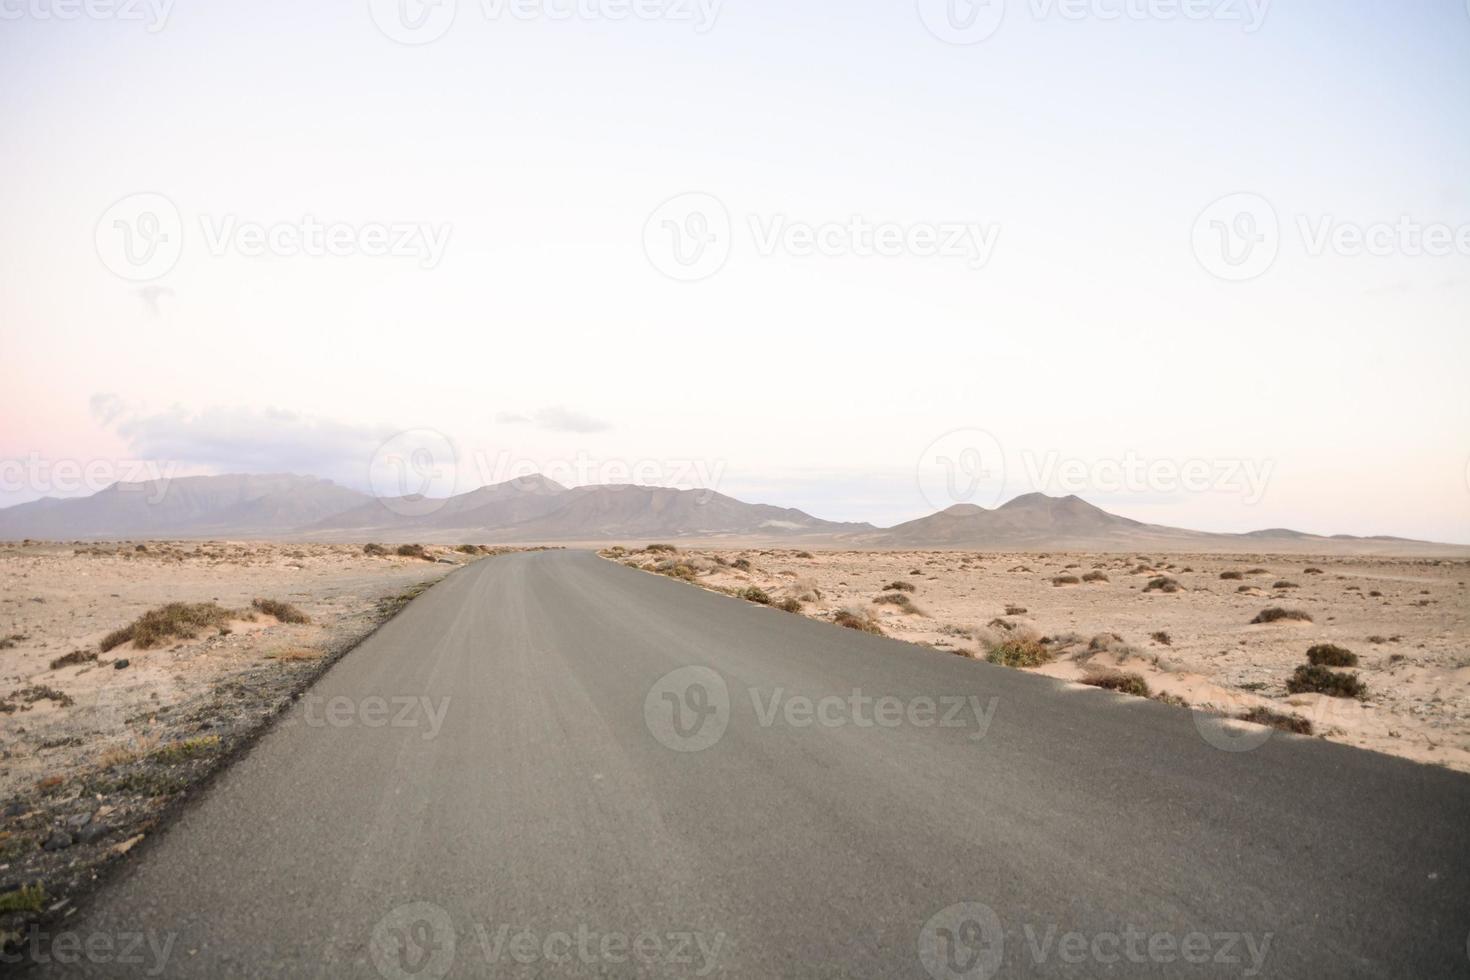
<point>1020,648</point>
<point>1095,577</point>
<point>1117,680</point>
<point>1277,614</point>
<point>856,620</point>
<point>284,612</point>
<point>1320,680</point>
<point>182,620</point>
<point>1162,583</point>
<point>1331,655</point>
<point>1277,720</point>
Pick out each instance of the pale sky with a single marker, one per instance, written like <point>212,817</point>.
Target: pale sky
<point>1058,284</point>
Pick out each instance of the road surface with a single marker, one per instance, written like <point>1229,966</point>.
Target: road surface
<point>552,765</point>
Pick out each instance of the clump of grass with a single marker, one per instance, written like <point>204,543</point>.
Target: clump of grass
<point>1162,637</point>
<point>284,612</point>
<point>189,748</point>
<point>1162,583</point>
<point>1095,577</point>
<point>791,605</point>
<point>1311,571</point>
<point>34,693</point>
<point>1331,655</point>
<point>754,594</point>
<point>1376,639</point>
<point>26,898</point>
<point>681,570</point>
<point>1120,681</point>
<point>1017,650</point>
<point>468,549</point>
<point>412,551</point>
<point>1277,720</point>
<point>374,550</point>
<point>856,621</point>
<point>897,599</point>
<point>1105,641</point>
<point>665,548</point>
<point>1065,580</point>
<point>74,658</point>
<point>1319,680</point>
<point>1231,575</point>
<point>1277,614</point>
<point>1013,610</point>
<point>294,653</point>
<point>182,620</point>
<point>1285,585</point>
<point>899,587</point>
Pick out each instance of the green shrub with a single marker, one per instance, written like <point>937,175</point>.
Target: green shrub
<point>1331,655</point>
<point>1277,720</point>
<point>1311,679</point>
<point>1117,680</point>
<point>1018,651</point>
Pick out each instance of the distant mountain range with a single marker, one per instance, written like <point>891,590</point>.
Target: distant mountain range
<point>534,509</point>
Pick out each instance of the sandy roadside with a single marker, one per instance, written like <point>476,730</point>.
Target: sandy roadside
<point>99,745</point>
<point>1407,620</point>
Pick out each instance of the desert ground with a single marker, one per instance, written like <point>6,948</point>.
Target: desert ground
<point>100,734</point>
<point>1190,639</point>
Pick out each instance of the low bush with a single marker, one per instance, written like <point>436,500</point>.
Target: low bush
<point>376,550</point>
<point>1331,655</point>
<point>284,612</point>
<point>1018,651</point>
<point>1231,575</point>
<point>1065,580</point>
<point>183,620</point>
<point>899,587</point>
<point>754,594</point>
<point>1162,637</point>
<point>789,605</point>
<point>1161,584</point>
<point>1277,614</point>
<point>1310,679</point>
<point>856,621</point>
<point>1277,720</point>
<point>1095,577</point>
<point>1117,680</point>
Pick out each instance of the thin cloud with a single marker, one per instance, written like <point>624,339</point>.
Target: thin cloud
<point>556,419</point>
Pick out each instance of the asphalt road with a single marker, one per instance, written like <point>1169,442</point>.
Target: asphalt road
<point>505,780</point>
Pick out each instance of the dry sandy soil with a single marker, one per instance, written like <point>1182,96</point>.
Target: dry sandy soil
<point>95,752</point>
<point>1408,620</point>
